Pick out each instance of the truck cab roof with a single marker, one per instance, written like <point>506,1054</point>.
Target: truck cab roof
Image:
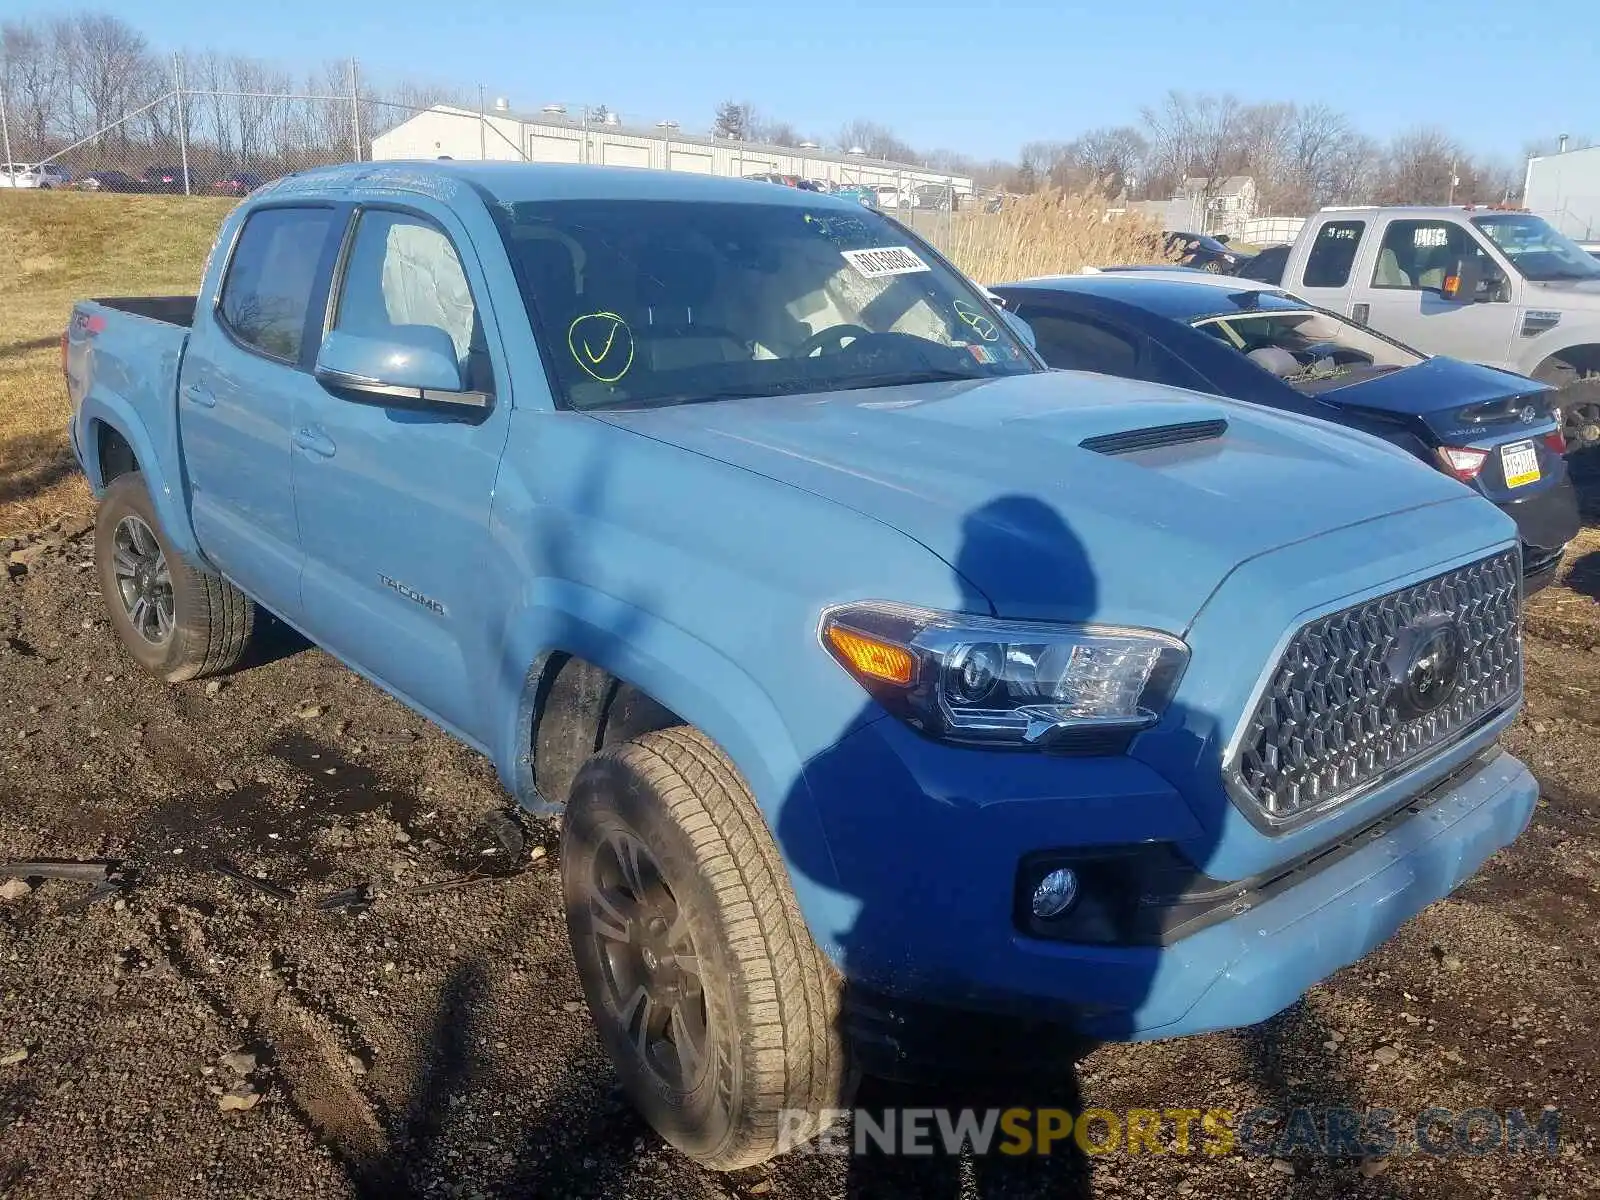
<point>511,182</point>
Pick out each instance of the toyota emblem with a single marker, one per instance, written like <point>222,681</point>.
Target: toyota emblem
<point>1424,666</point>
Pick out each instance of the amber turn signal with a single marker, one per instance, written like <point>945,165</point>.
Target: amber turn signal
<point>870,657</point>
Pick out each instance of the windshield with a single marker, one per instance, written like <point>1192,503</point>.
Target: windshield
<point>1536,248</point>
<point>644,303</point>
<point>1309,350</point>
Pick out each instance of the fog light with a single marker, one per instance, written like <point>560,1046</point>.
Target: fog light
<point>1055,893</point>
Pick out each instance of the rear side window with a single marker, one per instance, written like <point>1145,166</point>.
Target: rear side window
<point>1073,343</point>
<point>267,292</point>
<point>1166,367</point>
<point>1333,254</point>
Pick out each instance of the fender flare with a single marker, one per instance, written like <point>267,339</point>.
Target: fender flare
<point>697,682</point>
<point>114,412</point>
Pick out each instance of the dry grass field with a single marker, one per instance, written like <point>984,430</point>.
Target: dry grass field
<point>55,248</point>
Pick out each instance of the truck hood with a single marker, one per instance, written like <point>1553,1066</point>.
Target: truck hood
<point>1585,293</point>
<point>1437,385</point>
<point>992,476</point>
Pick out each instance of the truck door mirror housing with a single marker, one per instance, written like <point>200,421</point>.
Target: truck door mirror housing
<point>410,365</point>
<point>1464,279</point>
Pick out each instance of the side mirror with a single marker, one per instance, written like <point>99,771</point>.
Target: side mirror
<point>1021,328</point>
<point>414,364</point>
<point>1462,283</point>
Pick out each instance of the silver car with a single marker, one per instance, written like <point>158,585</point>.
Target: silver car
<point>43,176</point>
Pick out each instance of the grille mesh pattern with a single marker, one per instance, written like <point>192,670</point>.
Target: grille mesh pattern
<point>1328,724</point>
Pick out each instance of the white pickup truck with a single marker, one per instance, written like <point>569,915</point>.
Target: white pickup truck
<point>1498,287</point>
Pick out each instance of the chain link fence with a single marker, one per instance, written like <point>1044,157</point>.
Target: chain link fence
<point>196,140</point>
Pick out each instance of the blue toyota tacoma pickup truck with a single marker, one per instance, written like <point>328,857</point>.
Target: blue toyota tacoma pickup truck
<point>909,704</point>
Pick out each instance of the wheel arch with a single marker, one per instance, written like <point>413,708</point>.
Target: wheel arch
<point>1575,362</point>
<point>618,671</point>
<point>117,440</point>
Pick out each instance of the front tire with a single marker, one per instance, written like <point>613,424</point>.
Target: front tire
<point>720,1015</point>
<point>176,621</point>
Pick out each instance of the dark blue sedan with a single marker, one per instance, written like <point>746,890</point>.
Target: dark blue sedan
<point>1498,432</point>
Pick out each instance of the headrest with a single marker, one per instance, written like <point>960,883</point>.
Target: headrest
<point>675,279</point>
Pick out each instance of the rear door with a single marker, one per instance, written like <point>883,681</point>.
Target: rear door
<point>1327,273</point>
<point>394,502</point>
<point>248,363</point>
<point>1404,291</point>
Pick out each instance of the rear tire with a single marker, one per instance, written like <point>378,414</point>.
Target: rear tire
<point>1580,413</point>
<point>718,1011</point>
<point>176,621</point>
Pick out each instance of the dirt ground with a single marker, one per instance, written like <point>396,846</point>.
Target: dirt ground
<point>278,1005</point>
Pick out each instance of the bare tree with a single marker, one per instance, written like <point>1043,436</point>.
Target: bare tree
<point>111,70</point>
<point>1195,137</point>
<point>877,140</point>
<point>35,84</point>
<point>1109,157</point>
<point>1420,165</point>
<point>775,133</point>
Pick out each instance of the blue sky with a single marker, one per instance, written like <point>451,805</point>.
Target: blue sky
<point>981,78</point>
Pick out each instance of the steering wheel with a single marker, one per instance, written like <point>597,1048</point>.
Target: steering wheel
<point>833,336</point>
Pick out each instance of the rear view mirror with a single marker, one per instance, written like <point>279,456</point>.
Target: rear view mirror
<point>1464,279</point>
<point>415,363</point>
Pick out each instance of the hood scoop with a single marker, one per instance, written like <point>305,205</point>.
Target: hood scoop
<point>1152,437</point>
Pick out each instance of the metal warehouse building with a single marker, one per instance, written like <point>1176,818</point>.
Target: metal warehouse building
<point>443,131</point>
<point>1565,190</point>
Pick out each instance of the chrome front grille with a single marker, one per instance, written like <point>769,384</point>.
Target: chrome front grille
<point>1365,693</point>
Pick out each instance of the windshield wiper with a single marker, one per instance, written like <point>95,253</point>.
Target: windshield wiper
<point>904,379</point>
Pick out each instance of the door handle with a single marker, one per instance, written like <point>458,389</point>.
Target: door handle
<point>1359,313</point>
<point>199,394</point>
<point>314,441</point>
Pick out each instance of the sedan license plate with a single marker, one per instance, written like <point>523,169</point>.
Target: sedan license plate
<point>1520,462</point>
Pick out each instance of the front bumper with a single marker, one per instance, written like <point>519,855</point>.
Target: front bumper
<point>928,952</point>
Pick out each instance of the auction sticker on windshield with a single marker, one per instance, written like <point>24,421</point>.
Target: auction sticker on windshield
<point>1520,462</point>
<point>884,260</point>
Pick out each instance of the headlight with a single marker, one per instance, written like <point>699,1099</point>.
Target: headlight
<point>1020,683</point>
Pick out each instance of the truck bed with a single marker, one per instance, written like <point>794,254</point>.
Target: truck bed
<point>170,310</point>
<point>123,360</point>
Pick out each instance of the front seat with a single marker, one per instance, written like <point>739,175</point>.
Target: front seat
<point>675,288</point>
<point>1276,360</point>
<point>1389,272</point>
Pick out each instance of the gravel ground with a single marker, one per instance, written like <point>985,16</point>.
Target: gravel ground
<point>318,1023</point>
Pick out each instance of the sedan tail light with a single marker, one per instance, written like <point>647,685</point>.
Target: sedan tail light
<point>1556,439</point>
<point>1462,462</point>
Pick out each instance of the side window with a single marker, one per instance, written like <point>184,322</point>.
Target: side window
<point>1077,344</point>
<point>267,292</point>
<point>1333,254</point>
<point>1419,255</point>
<point>403,270</point>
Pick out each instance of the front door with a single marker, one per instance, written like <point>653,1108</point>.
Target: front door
<point>394,502</point>
<point>246,367</point>
<point>1407,299</point>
